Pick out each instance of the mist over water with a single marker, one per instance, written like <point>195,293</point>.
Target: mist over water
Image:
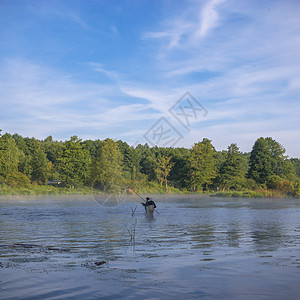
<point>192,248</point>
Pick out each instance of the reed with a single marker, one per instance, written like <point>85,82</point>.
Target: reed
<point>131,231</point>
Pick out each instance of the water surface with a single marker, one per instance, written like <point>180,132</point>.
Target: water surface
<point>193,248</point>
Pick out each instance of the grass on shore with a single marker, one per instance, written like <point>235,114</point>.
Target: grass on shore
<point>251,194</point>
<point>42,190</point>
<point>149,188</point>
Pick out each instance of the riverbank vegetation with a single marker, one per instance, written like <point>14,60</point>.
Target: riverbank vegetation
<point>32,166</point>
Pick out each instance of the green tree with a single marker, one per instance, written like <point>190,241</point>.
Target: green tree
<point>202,164</point>
<point>163,169</point>
<point>180,158</point>
<point>18,179</point>
<point>31,145</point>
<point>220,159</point>
<point>131,160</point>
<point>296,164</point>
<point>232,171</point>
<point>147,162</point>
<point>52,149</point>
<point>275,182</point>
<point>106,171</point>
<point>25,164</point>
<point>92,146</point>
<point>296,188</point>
<point>73,162</point>
<point>9,155</point>
<point>20,142</point>
<point>39,163</point>
<point>266,159</point>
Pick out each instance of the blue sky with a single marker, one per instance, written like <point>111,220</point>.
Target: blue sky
<point>101,69</point>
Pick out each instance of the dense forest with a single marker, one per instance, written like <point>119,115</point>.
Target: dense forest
<point>107,164</point>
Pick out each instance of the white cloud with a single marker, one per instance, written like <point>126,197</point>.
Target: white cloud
<point>58,10</point>
<point>114,30</point>
<point>39,101</point>
<point>209,17</point>
<point>174,33</point>
<point>188,29</point>
<point>244,134</point>
<point>97,67</point>
<point>157,100</point>
<point>237,58</point>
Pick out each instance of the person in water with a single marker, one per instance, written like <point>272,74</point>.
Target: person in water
<point>149,202</point>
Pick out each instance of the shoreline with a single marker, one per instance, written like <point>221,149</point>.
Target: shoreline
<point>62,191</point>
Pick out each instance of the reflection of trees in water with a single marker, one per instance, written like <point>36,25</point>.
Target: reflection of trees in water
<point>203,235</point>
<point>267,237</point>
<point>233,235</point>
<point>102,239</point>
<point>114,231</point>
<point>207,236</point>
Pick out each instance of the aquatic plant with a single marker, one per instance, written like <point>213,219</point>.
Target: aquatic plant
<point>131,230</point>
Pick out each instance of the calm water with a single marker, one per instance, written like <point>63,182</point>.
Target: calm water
<point>205,248</point>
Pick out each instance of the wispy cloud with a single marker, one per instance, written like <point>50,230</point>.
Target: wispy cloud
<point>58,10</point>
<point>249,74</point>
<point>174,33</point>
<point>237,58</point>
<point>114,29</point>
<point>157,99</point>
<point>45,101</point>
<point>97,67</point>
<point>189,28</point>
<point>209,17</point>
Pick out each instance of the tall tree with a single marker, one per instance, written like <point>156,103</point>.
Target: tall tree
<point>20,142</point>
<point>147,162</point>
<point>74,162</point>
<point>31,145</point>
<point>52,149</point>
<point>106,170</point>
<point>232,171</point>
<point>25,166</point>
<point>202,164</point>
<point>40,167</point>
<point>9,155</point>
<point>296,164</point>
<point>163,169</point>
<point>266,159</point>
<point>131,160</point>
<point>92,146</point>
<point>180,169</point>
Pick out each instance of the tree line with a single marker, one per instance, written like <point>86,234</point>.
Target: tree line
<point>107,164</point>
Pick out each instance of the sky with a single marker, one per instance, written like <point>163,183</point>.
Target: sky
<point>162,72</point>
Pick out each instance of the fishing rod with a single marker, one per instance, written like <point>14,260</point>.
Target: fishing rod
<point>142,198</point>
<point>138,194</point>
<point>130,189</point>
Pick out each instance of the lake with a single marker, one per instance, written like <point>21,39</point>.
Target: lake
<point>192,248</point>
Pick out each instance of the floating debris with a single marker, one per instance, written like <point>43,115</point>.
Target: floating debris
<point>100,263</point>
<point>93,264</point>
